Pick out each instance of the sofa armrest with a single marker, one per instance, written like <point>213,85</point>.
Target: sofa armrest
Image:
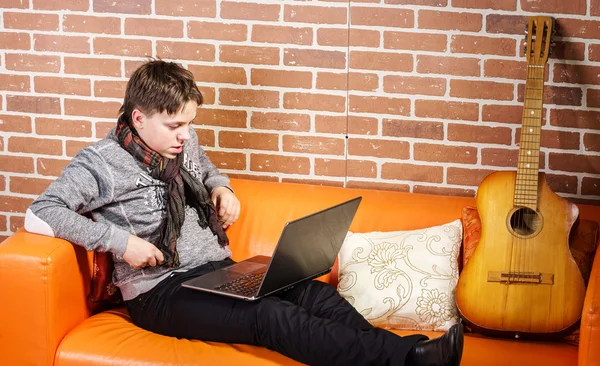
<point>44,283</point>
<point>589,342</point>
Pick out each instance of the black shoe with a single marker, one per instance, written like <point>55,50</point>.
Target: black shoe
<point>442,351</point>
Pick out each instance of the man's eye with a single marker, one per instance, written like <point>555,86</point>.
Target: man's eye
<point>173,127</point>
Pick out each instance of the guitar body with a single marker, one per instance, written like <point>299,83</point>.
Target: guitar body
<point>524,282</point>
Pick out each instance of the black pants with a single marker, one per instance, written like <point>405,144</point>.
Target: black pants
<point>310,323</point>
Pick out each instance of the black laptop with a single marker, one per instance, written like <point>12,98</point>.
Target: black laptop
<point>307,249</point>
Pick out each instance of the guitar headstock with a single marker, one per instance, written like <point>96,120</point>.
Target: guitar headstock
<point>538,45</point>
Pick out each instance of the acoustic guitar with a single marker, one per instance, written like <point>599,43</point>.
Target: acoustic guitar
<point>522,281</point>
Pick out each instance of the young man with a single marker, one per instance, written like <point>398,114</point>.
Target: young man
<point>148,194</point>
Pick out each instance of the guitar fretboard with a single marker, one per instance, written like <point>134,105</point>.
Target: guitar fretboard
<point>526,184</point>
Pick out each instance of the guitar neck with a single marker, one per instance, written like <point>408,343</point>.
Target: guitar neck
<point>526,184</point>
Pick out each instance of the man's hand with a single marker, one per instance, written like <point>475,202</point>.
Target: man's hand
<point>140,253</point>
<point>227,204</point>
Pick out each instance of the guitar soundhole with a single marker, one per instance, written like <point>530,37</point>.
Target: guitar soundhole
<point>525,222</point>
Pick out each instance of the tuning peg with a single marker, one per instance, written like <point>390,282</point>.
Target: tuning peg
<point>526,28</point>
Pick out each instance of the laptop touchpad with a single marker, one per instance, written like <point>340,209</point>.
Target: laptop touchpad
<point>245,267</point>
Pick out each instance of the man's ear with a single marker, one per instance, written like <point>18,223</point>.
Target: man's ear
<point>137,119</point>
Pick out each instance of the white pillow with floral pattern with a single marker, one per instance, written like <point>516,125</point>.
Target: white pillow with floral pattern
<point>403,279</point>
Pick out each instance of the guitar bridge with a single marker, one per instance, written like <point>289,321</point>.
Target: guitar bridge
<point>537,278</point>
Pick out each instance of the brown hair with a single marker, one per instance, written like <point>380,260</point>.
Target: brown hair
<point>159,86</point>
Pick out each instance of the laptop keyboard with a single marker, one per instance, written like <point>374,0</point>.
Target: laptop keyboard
<point>246,285</point>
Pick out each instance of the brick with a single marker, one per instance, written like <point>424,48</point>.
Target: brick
<point>91,108</point>
<point>445,153</point>
<point>364,38</point>
<point>51,167</point>
<point>66,44</point>
<point>382,105</point>
<point>330,124</point>
<point>227,160</point>
<point>594,54</point>
<point>16,164</point>
<point>575,118</point>
<point>279,164</point>
<point>283,35</point>
<point>505,24</point>
<point>249,98</point>
<point>10,123</point>
<point>313,145</point>
<point>206,137</point>
<point>591,141</point>
<point>217,31</point>
<point>595,7</point>
<point>415,41</point>
<point>154,27</point>
<point>483,45</point>
<point>32,63</point>
<point>445,20</point>
<point>363,82</point>
<point>557,139</point>
<point>343,168</point>
<point>32,104</point>
<point>208,94</point>
<point>3,226</point>
<point>29,185</point>
<point>447,110</point>
<point>249,54</point>
<point>593,98</point>
<point>62,127</point>
<point>562,183</point>
<point>16,4</point>
<point>414,2</point>
<point>91,24</point>
<point>14,82</point>
<point>313,182</point>
<point>103,128</point>
<point>411,172</point>
<point>460,66</point>
<point>195,9</point>
<point>62,85</point>
<point>382,17</point>
<point>502,113</point>
<point>36,21</point>
<point>140,7</point>
<point>570,51</point>
<point>578,163</point>
<point>315,14</point>
<point>358,125</point>
<point>486,4</point>
<point>332,81</point>
<point>332,37</point>
<point>590,186</point>
<point>480,134</point>
<point>264,178</point>
<point>466,177</point>
<point>110,88</point>
<point>576,74</point>
<point>16,222</point>
<point>15,41</point>
<point>391,149</point>
<point>444,191</point>
<point>73,147</point>
<point>314,58</point>
<point>473,89</point>
<point>249,11</point>
<point>505,157</point>
<point>414,85</point>
<point>414,129</point>
<point>280,121</point>
<point>33,145</point>
<point>370,184</point>
<point>92,66</point>
<point>14,204</point>
<point>506,69</point>
<point>281,78</point>
<point>221,117</point>
<point>555,6</point>
<point>219,74</point>
<point>122,47</point>
<point>578,28</point>
<point>314,102</point>
<point>73,5</point>
<point>383,61</point>
<point>559,95</point>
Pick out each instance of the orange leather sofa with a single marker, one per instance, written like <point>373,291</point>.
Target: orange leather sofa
<point>45,319</point>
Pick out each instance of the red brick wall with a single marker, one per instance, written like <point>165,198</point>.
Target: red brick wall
<point>411,95</point>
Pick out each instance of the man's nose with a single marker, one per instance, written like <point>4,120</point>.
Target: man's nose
<point>184,136</point>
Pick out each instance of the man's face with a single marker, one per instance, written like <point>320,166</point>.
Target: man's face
<point>165,133</point>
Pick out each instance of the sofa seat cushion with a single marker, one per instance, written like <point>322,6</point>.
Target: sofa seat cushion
<point>480,350</point>
<point>110,338</point>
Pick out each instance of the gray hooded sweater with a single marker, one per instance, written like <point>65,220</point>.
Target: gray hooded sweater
<point>105,194</point>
